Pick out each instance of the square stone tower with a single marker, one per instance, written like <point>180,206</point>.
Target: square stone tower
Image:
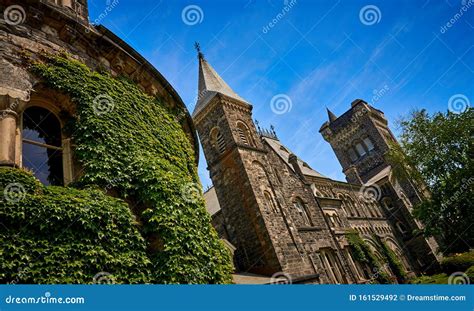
<point>361,140</point>
<point>253,203</point>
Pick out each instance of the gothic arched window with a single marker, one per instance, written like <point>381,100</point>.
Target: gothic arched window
<point>244,134</point>
<point>42,150</point>
<point>301,208</point>
<point>368,143</point>
<point>269,202</point>
<point>217,140</point>
<point>360,149</point>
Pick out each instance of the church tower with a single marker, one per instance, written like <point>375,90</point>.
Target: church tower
<point>228,136</point>
<point>361,140</point>
<point>252,204</point>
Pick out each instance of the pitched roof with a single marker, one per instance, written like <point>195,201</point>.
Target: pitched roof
<point>285,153</point>
<point>211,84</point>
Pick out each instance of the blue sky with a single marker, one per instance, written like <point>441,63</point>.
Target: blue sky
<point>318,53</point>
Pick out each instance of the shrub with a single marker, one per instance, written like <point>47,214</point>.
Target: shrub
<point>458,262</point>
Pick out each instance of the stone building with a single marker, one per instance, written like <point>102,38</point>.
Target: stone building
<point>104,233</point>
<point>31,28</point>
<point>285,218</point>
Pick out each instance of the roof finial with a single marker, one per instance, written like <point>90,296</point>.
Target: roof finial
<point>273,130</point>
<point>197,46</point>
<point>258,125</point>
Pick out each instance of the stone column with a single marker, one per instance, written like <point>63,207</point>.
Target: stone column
<point>8,124</point>
<point>8,129</point>
<point>15,87</point>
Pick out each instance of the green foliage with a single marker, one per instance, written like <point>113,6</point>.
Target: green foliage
<point>132,143</point>
<point>437,152</point>
<point>458,262</point>
<point>452,264</point>
<point>361,252</point>
<point>394,262</point>
<point>431,279</point>
<point>65,235</point>
<point>470,274</point>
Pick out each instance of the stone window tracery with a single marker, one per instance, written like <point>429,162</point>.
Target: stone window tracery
<point>270,202</point>
<point>301,208</point>
<point>217,140</point>
<point>244,134</point>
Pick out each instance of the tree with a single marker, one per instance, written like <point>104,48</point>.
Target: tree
<point>436,153</point>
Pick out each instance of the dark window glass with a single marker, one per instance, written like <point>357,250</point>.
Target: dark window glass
<point>42,151</point>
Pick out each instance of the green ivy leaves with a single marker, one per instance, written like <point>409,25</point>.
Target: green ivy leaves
<point>66,235</point>
<point>138,148</point>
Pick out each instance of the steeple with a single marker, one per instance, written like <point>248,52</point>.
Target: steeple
<point>210,84</point>
<point>332,117</point>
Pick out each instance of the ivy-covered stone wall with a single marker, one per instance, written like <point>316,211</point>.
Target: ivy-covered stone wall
<point>133,144</point>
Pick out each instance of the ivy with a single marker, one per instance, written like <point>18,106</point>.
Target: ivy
<point>130,142</point>
<point>394,263</point>
<point>65,235</point>
<point>363,253</point>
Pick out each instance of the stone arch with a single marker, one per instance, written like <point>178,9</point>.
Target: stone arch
<point>42,145</point>
<point>270,201</point>
<point>244,133</point>
<point>301,209</point>
<point>61,107</point>
<point>217,140</point>
<point>317,193</point>
<point>395,247</point>
<point>340,196</point>
<point>350,203</point>
<point>380,257</point>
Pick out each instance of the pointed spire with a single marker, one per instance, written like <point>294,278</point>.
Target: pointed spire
<point>210,84</point>
<point>332,117</point>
